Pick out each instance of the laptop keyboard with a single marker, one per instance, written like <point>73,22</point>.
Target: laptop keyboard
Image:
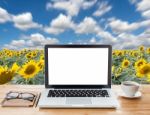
<point>77,93</point>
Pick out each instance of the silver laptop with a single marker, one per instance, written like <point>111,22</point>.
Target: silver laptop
<point>78,76</point>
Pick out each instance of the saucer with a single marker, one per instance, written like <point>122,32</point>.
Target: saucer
<point>137,95</point>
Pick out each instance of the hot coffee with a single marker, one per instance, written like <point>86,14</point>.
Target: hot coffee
<point>130,88</point>
<point>127,84</point>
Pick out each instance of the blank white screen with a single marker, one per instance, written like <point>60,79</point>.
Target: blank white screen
<point>78,66</point>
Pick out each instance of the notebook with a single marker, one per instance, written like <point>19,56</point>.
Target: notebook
<point>21,102</point>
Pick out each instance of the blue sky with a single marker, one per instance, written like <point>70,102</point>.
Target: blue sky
<point>32,23</point>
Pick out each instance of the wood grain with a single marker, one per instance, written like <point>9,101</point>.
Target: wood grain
<point>139,106</point>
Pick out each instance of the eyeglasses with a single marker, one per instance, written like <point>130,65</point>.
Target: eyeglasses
<point>20,95</point>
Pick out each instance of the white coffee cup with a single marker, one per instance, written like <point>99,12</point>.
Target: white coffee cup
<point>130,88</point>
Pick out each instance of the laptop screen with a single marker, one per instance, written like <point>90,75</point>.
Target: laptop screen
<point>78,66</point>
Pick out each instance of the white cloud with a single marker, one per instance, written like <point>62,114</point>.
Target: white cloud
<point>130,41</point>
<point>143,6</point>
<point>126,41</point>
<point>59,24</point>
<point>119,26</point>
<point>33,41</point>
<point>123,40</point>
<point>15,44</point>
<point>49,6</point>
<point>145,23</point>
<point>133,1</point>
<point>40,40</point>
<point>10,46</point>
<point>18,43</point>
<point>52,30</point>
<point>92,40</point>
<point>107,37</point>
<point>146,13</point>
<point>145,37</point>
<point>88,4</point>
<point>24,21</point>
<point>88,25</point>
<point>102,9</point>
<point>72,7</point>
<point>4,16</point>
<point>122,26</point>
<point>62,21</point>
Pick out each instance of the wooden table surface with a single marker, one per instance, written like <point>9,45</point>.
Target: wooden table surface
<point>139,106</point>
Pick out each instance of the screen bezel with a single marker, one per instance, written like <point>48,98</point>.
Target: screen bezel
<point>47,85</point>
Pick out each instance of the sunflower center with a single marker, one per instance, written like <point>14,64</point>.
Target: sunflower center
<point>140,63</point>
<point>135,54</point>
<point>34,54</point>
<point>119,54</point>
<point>30,69</point>
<point>145,70</point>
<point>126,63</point>
<point>5,77</point>
<point>28,56</point>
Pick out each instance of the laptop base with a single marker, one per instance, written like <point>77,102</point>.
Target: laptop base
<point>78,102</point>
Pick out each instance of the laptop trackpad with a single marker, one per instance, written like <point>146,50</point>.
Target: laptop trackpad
<point>78,100</point>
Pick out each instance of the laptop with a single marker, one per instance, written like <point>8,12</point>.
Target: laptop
<point>78,76</point>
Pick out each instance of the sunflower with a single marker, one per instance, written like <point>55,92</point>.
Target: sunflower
<point>141,48</point>
<point>113,68</point>
<point>34,54</point>
<point>125,63</point>
<point>118,72</point>
<point>120,53</point>
<point>125,52</point>
<point>17,54</point>
<point>15,67</point>
<point>21,52</point>
<point>41,64</point>
<point>6,74</point>
<point>25,50</point>
<point>42,57</point>
<point>144,70</point>
<point>29,55</point>
<point>139,63</point>
<point>148,50</point>
<point>1,54</point>
<point>29,70</point>
<point>134,53</point>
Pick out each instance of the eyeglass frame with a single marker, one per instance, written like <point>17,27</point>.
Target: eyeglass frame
<point>19,96</point>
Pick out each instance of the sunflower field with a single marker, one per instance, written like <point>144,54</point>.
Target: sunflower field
<point>133,65</point>
<point>22,67</point>
<point>27,66</point>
